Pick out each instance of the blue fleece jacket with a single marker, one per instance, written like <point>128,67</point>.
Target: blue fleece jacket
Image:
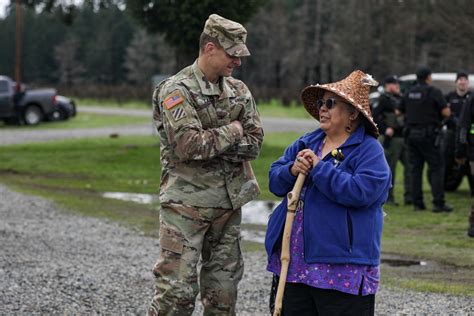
<point>343,215</point>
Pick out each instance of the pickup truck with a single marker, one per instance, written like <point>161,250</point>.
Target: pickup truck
<point>28,107</point>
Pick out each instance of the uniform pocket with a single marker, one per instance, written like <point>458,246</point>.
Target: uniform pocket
<point>172,241</point>
<point>204,117</point>
<point>169,263</point>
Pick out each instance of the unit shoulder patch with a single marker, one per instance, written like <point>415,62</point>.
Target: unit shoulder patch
<point>173,99</point>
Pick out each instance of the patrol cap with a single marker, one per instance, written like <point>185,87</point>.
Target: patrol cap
<point>423,73</point>
<point>391,79</point>
<point>461,74</point>
<point>231,35</point>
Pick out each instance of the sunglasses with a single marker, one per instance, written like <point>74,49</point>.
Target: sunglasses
<point>329,102</point>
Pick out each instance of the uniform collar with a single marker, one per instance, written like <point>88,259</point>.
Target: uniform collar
<point>222,89</point>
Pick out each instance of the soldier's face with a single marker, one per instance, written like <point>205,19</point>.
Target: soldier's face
<point>223,63</point>
<point>334,120</point>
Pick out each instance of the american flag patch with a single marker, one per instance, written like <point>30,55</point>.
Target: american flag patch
<point>173,100</point>
<point>178,113</point>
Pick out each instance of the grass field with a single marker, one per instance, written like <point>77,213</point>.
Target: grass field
<point>75,173</point>
<point>84,120</point>
<point>272,108</point>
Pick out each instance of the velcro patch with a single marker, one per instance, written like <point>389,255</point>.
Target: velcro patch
<point>178,113</point>
<point>173,100</point>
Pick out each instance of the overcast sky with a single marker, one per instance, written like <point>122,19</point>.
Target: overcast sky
<point>3,5</point>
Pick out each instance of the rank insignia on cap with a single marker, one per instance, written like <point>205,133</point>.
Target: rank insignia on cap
<point>173,100</point>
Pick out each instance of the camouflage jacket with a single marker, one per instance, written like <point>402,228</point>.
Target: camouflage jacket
<point>205,161</point>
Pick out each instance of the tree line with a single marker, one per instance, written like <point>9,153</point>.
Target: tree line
<point>110,51</point>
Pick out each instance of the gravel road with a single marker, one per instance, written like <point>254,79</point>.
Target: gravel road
<point>11,136</point>
<point>55,262</point>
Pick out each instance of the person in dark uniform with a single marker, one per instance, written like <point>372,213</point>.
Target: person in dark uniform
<point>390,122</point>
<point>425,107</point>
<point>456,100</point>
<point>458,97</point>
<point>465,148</point>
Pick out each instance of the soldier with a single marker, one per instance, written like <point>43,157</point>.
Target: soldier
<point>209,130</point>
<point>425,107</point>
<point>390,122</point>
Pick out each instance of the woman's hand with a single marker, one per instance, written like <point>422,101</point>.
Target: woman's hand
<point>303,162</point>
<point>310,156</point>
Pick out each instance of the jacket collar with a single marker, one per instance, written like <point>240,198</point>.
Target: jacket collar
<point>221,89</point>
<point>354,139</point>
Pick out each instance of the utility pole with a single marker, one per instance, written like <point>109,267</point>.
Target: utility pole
<point>18,45</point>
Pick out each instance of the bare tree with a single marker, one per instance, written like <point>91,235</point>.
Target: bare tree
<point>71,70</point>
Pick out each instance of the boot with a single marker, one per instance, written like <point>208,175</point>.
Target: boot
<point>470,231</point>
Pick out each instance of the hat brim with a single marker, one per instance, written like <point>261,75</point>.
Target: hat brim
<point>239,50</point>
<point>311,94</point>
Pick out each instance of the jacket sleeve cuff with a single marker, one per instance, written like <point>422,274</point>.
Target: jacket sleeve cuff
<point>285,173</point>
<point>234,133</point>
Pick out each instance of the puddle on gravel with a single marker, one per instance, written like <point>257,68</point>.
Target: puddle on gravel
<point>254,212</point>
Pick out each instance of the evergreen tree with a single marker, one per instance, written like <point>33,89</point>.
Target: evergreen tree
<point>182,21</point>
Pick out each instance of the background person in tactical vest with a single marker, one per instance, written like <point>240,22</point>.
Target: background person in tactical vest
<point>390,121</point>
<point>209,130</point>
<point>425,108</point>
<point>465,148</point>
<point>456,100</point>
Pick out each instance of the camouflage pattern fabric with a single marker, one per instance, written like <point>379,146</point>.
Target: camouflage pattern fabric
<point>206,178</point>
<point>185,233</point>
<point>204,160</point>
<point>231,35</point>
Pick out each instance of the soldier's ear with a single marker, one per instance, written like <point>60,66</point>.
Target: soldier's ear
<point>210,48</point>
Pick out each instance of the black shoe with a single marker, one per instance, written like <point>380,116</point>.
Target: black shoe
<point>419,207</point>
<point>408,202</point>
<point>442,208</point>
<point>470,231</point>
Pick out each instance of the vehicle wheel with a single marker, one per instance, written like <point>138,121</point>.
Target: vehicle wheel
<point>59,115</point>
<point>32,115</point>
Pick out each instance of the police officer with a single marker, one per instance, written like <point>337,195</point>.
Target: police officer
<point>390,122</point>
<point>425,108</point>
<point>209,130</point>
<point>458,97</point>
<point>465,148</point>
<point>456,100</point>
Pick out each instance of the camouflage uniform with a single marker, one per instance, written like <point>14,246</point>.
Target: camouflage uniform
<point>206,178</point>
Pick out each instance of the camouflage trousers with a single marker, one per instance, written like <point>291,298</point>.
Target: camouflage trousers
<point>186,234</point>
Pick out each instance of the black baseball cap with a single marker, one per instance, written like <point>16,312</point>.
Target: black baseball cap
<point>423,73</point>
<point>461,74</point>
<point>391,79</point>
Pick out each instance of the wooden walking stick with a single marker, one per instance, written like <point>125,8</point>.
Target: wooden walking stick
<point>293,198</point>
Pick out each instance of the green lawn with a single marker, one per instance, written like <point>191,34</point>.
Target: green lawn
<point>76,172</point>
<point>272,108</point>
<point>85,120</point>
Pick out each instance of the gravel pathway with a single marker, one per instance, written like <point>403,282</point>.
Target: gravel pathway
<point>53,262</point>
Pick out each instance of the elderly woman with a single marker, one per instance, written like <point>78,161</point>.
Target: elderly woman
<point>335,238</point>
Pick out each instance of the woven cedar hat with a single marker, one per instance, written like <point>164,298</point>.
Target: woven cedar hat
<point>354,89</point>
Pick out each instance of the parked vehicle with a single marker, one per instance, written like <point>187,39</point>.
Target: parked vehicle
<point>445,82</point>
<point>66,108</point>
<point>28,107</point>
